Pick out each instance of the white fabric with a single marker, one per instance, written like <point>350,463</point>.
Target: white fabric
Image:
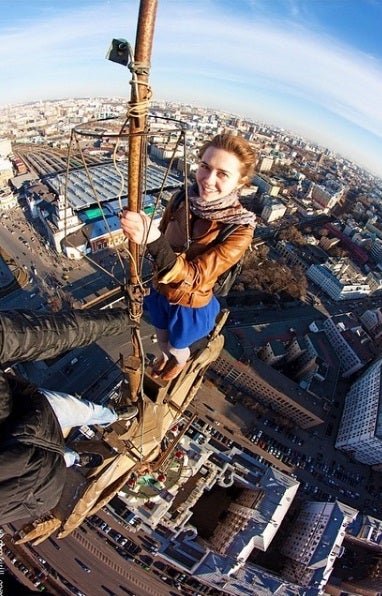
<point>71,411</point>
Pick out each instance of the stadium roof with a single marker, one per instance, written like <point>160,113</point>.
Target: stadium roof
<point>101,183</point>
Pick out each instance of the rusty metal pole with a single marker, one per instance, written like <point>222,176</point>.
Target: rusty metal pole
<point>138,112</point>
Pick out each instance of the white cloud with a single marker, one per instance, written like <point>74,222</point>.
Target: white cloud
<point>276,65</point>
<point>287,60</point>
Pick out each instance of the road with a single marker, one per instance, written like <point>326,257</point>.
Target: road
<point>89,548</point>
<point>48,268</point>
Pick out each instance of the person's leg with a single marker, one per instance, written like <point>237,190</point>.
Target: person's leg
<point>181,355</point>
<point>164,346</point>
<point>162,336</point>
<point>71,411</point>
<point>188,325</point>
<point>175,366</point>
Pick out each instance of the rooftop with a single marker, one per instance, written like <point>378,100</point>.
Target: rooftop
<point>95,185</point>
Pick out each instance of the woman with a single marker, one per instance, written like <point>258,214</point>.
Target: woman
<point>181,304</point>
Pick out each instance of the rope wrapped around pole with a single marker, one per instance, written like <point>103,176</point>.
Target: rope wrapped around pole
<point>137,114</point>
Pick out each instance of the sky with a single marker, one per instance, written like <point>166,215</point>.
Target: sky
<point>312,67</point>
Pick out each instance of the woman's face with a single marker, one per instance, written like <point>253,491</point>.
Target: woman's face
<point>218,174</point>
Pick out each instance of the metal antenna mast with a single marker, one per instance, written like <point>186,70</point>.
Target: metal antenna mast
<point>138,112</point>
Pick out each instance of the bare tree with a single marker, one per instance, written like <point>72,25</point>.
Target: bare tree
<point>293,235</point>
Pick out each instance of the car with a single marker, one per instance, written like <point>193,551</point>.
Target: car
<point>108,591</point>
<point>153,549</point>
<point>166,579</point>
<point>83,566</point>
<point>55,544</point>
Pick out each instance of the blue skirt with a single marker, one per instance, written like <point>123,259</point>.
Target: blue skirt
<point>184,324</point>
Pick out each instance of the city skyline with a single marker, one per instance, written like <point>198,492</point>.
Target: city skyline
<point>313,68</point>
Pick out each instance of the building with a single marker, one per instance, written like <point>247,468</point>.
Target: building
<point>291,254</point>
<point>8,200</point>
<point>357,253</point>
<point>374,279</point>
<point>310,360</point>
<point>373,229</point>
<point>365,530</point>
<point>350,341</point>
<point>166,503</point>
<point>6,172</point>
<point>308,366</point>
<point>254,517</point>
<point>5,147</point>
<point>165,151</point>
<point>262,383</point>
<point>315,541</point>
<point>360,430</point>
<point>272,353</point>
<point>336,283</point>
<point>372,322</point>
<point>92,201</point>
<point>297,347</point>
<point>326,197</point>
<point>376,250</point>
<point>265,164</point>
<point>273,209</point>
<point>266,185</point>
<point>327,243</point>
<point>59,221</point>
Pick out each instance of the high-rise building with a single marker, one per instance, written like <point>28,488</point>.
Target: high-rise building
<point>350,341</point>
<point>253,518</point>
<point>360,430</point>
<point>315,542</point>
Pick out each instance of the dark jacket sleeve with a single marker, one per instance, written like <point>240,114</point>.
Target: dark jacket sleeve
<point>26,335</point>
<point>162,253</point>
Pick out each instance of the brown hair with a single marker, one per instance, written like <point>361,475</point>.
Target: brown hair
<point>238,146</point>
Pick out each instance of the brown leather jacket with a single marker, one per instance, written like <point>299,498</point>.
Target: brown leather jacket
<point>191,280</point>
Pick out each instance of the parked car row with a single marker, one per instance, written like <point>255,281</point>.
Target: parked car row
<point>126,545</point>
<point>35,576</point>
<point>201,425</point>
<point>287,455</point>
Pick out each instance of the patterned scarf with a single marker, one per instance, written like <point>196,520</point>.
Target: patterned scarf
<point>227,209</point>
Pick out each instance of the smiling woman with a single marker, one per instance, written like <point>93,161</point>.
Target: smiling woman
<point>191,250</point>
